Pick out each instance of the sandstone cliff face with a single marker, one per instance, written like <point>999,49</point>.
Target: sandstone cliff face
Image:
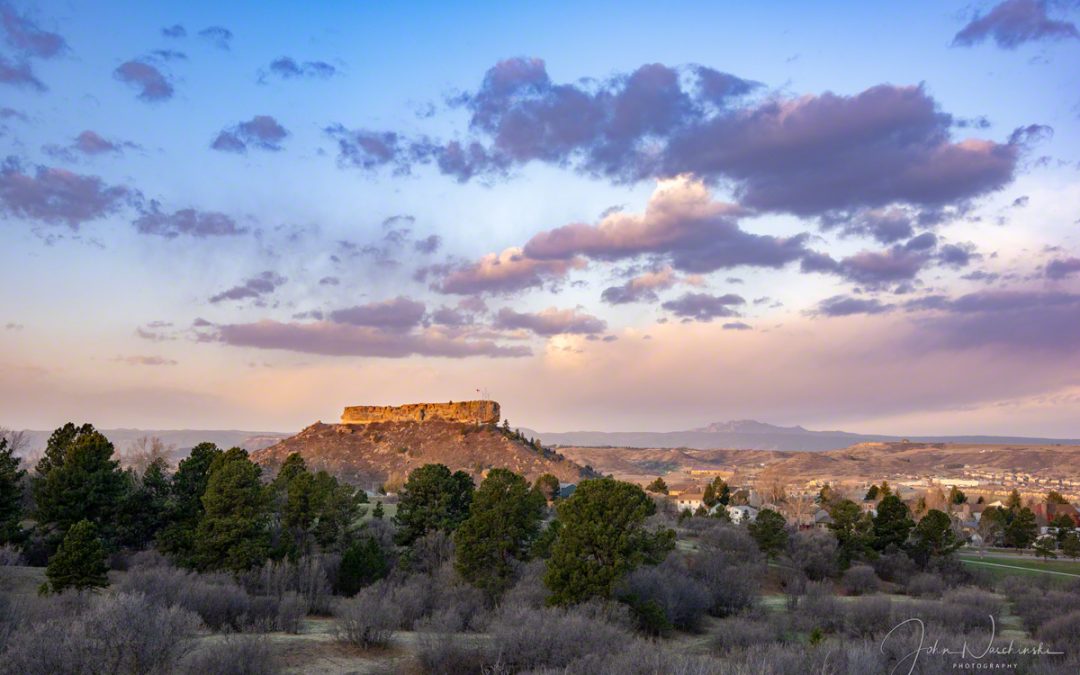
<point>386,452</point>
<point>474,412</point>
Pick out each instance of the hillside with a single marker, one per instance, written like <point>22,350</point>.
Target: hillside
<point>382,452</point>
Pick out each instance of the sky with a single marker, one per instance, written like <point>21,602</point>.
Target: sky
<point>609,216</point>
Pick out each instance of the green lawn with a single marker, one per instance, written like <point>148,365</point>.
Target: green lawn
<point>1000,566</point>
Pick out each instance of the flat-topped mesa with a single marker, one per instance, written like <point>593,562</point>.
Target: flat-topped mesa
<point>473,412</point>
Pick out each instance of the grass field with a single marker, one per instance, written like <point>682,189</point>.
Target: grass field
<point>1001,566</point>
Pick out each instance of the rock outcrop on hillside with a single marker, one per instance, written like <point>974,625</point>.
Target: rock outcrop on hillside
<point>386,452</point>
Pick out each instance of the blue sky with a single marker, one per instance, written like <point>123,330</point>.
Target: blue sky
<point>344,276</point>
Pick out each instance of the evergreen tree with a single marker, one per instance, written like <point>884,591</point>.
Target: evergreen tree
<point>1062,525</point>
<point>769,530</point>
<point>992,524</point>
<point>956,495</point>
<point>853,530</point>
<point>144,511</point>
<point>503,522</point>
<point>11,494</point>
<point>79,563</point>
<point>363,563</point>
<point>1070,545</point>
<point>232,534</point>
<point>892,524</point>
<point>185,507</point>
<point>1054,497</point>
<point>378,512</point>
<point>658,486</point>
<point>1013,501</point>
<point>602,538</point>
<point>432,499</point>
<point>548,486</point>
<point>933,537</point>
<point>79,480</point>
<point>1022,529</point>
<point>1044,548</point>
<point>885,490</point>
<point>873,492</point>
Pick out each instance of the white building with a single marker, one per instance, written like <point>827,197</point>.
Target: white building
<point>739,514</point>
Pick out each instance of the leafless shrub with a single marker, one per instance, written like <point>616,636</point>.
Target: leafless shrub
<point>430,552</point>
<point>643,657</point>
<point>738,632</point>
<point>148,558</point>
<point>123,633</point>
<point>528,639</point>
<point>867,617</point>
<point>925,585</point>
<point>307,577</point>
<point>291,610</point>
<point>683,599</point>
<point>442,652</point>
<point>366,620</point>
<point>232,654</point>
<point>529,590</point>
<point>895,566</point>
<point>814,552</point>
<point>11,556</point>
<point>729,543</point>
<point>860,580</point>
<point>1061,631</point>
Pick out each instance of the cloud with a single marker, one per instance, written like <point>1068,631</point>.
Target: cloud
<point>641,288</point>
<point>550,321</point>
<point>338,339</point>
<point>500,273</point>
<point>145,360</point>
<point>254,288</point>
<point>25,37</point>
<point>957,255</point>
<point>365,149</point>
<point>1062,268</point>
<point>19,74</point>
<point>218,36</point>
<point>287,68</point>
<point>397,315</point>
<point>429,244</point>
<point>704,307</point>
<point>174,31</point>
<point>151,83</point>
<point>57,196</point>
<point>1014,22</point>
<point>737,325</point>
<point>88,144</point>
<point>877,268</point>
<point>683,223</point>
<point>330,281</point>
<point>186,222</point>
<point>1025,320</point>
<point>261,131</point>
<point>807,155</point>
<point>845,305</point>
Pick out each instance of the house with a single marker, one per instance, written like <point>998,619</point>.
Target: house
<point>822,519</point>
<point>740,514</point>
<point>690,500</point>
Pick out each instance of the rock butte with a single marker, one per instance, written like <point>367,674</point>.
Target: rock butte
<point>473,412</point>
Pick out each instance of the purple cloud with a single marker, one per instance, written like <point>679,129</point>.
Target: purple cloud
<point>737,325</point>
<point>254,288</point>
<point>288,69</point>
<point>1014,22</point>
<point>809,155</point>
<point>681,222</point>
<point>550,321</point>
<point>151,83</point>
<point>500,273</point>
<point>1062,268</point>
<point>218,36</point>
<point>845,305</point>
<point>337,339</point>
<point>875,268</point>
<point>397,315</point>
<point>186,222</point>
<point>174,31</point>
<point>261,131</point>
<point>57,196</point>
<point>429,244</point>
<point>19,74</point>
<point>25,37</point>
<point>704,307</point>
<point>145,360</point>
<point>641,288</point>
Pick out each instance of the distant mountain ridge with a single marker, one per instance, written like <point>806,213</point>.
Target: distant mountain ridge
<point>755,435</point>
<point>182,439</point>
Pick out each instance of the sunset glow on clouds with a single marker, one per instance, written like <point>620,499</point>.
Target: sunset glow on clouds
<point>249,219</point>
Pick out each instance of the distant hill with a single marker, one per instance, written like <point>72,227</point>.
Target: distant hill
<point>754,435</point>
<point>183,440</point>
<point>382,452</point>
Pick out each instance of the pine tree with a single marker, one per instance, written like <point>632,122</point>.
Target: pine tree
<point>233,534</point>
<point>503,522</point>
<point>11,493</point>
<point>378,512</point>
<point>432,499</point>
<point>79,563</point>
<point>933,537</point>
<point>892,524</point>
<point>602,538</point>
<point>184,507</point>
<point>769,530</point>
<point>363,563</point>
<point>658,486</point>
